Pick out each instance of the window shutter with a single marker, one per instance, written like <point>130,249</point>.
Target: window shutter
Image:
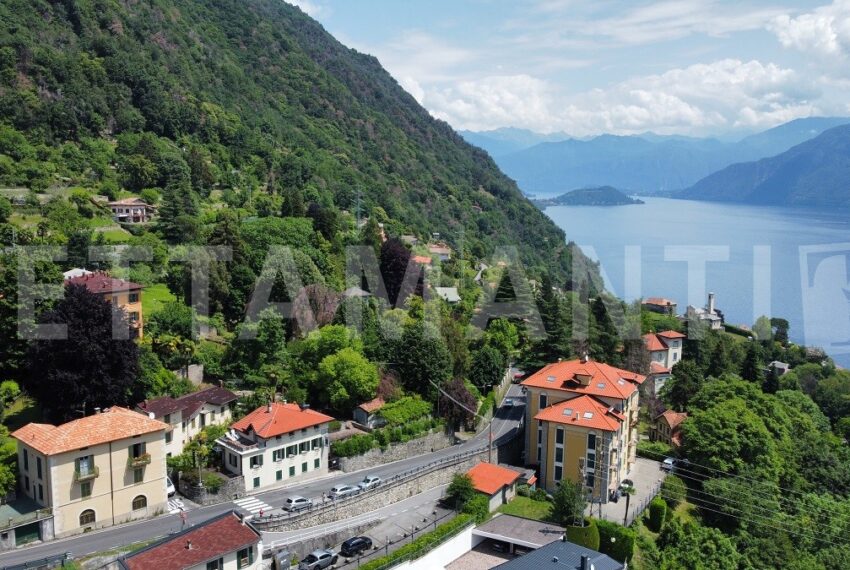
<point>250,555</point>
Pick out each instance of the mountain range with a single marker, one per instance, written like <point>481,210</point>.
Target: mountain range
<point>646,164</point>
<point>815,173</point>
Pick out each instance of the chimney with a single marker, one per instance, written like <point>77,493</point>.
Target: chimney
<point>269,407</point>
<point>584,358</point>
<point>710,303</point>
<point>188,545</point>
<point>97,410</point>
<point>585,563</point>
<point>151,415</point>
<point>304,407</point>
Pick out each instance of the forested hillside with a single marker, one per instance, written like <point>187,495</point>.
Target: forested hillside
<point>254,98</point>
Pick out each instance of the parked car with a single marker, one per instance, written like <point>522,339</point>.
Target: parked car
<point>296,503</point>
<point>669,464</point>
<point>518,376</point>
<point>508,403</point>
<point>169,487</point>
<point>355,545</point>
<point>341,491</point>
<point>317,560</point>
<point>369,482</point>
<point>499,546</point>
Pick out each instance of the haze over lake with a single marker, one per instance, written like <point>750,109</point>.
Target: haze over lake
<point>781,243</point>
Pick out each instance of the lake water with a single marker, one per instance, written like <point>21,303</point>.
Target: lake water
<point>782,262</point>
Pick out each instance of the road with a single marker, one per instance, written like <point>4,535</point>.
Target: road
<point>506,419</point>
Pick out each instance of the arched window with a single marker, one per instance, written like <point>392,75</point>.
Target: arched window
<point>140,502</point>
<point>87,517</point>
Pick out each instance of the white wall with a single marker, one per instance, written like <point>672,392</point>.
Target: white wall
<point>444,554</point>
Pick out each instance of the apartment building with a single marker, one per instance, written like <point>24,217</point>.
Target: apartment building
<point>276,443</point>
<point>124,294</point>
<point>581,419</point>
<point>94,472</point>
<point>187,415</point>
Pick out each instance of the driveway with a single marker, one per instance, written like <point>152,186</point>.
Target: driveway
<point>647,476</point>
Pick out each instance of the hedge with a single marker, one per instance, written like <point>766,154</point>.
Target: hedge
<point>657,514</point>
<point>479,507</point>
<point>674,491</point>
<point>622,548</point>
<point>655,450</point>
<point>354,445</point>
<point>587,535</point>
<point>421,544</point>
<point>361,443</point>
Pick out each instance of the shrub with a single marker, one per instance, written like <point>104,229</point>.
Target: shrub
<point>657,514</point>
<point>405,410</point>
<point>540,495</point>
<point>655,450</point>
<point>488,404</point>
<point>523,491</point>
<point>623,545</point>
<point>460,491</point>
<point>421,544</point>
<point>479,507</point>
<point>333,426</point>
<point>212,482</point>
<point>674,491</point>
<point>587,535</point>
<point>354,445</point>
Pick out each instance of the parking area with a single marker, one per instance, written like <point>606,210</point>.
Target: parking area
<point>482,557</point>
<point>647,477</point>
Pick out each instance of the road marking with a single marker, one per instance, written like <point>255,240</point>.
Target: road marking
<point>253,505</point>
<point>175,506</point>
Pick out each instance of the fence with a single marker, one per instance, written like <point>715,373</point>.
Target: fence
<point>55,561</point>
<point>638,508</point>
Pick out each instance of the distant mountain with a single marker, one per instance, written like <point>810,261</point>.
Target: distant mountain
<point>648,163</point>
<point>599,196</point>
<point>506,140</point>
<point>813,173</point>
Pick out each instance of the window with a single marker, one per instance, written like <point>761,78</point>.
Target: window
<point>291,450</point>
<point>27,483</point>
<point>559,473</point>
<point>26,460</point>
<point>256,461</point>
<point>559,436</point>
<point>278,475</point>
<point>304,467</point>
<point>203,420</point>
<point>277,455</point>
<point>137,450</point>
<point>140,502</point>
<point>85,465</point>
<point>316,443</point>
<point>134,316</point>
<point>193,423</point>
<point>40,492</point>
<point>559,455</point>
<point>212,417</point>
<point>184,426</point>
<point>231,459</point>
<point>292,471</point>
<point>167,418</point>
<point>304,447</point>
<point>304,430</point>
<point>168,437</point>
<point>543,401</point>
<point>256,482</point>
<point>216,564</point>
<point>590,479</point>
<point>316,463</point>
<point>245,557</point>
<point>85,489</point>
<point>138,475</point>
<point>134,298</point>
<point>221,410</point>
<point>539,433</point>
<point>87,517</point>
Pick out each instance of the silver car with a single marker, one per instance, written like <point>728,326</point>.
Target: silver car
<point>296,503</point>
<point>369,482</point>
<point>317,560</point>
<point>341,491</point>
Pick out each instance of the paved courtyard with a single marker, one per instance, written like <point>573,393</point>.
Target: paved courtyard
<point>647,476</point>
<point>482,557</point>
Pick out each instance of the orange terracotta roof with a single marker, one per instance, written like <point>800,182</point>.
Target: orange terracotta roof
<point>283,418</point>
<point>658,301</point>
<point>372,405</point>
<point>208,540</point>
<point>111,425</point>
<point>658,368</point>
<point>605,380</point>
<point>488,478</point>
<point>671,334</point>
<point>653,343</point>
<point>583,411</point>
<point>424,260</point>
<point>674,419</point>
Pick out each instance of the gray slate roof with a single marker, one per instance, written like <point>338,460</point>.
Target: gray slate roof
<point>568,557</point>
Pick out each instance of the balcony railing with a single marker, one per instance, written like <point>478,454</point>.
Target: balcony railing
<point>140,461</point>
<point>86,474</point>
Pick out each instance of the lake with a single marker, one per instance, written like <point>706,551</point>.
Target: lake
<point>775,261</point>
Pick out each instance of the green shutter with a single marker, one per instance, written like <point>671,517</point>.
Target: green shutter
<point>250,555</point>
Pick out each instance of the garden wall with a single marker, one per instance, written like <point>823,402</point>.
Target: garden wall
<point>396,451</point>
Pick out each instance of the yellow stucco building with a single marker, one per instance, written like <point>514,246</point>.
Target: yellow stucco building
<point>124,294</point>
<point>581,419</point>
<point>97,471</point>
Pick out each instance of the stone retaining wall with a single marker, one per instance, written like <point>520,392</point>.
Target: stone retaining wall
<point>419,446</point>
<point>231,488</point>
<point>371,500</point>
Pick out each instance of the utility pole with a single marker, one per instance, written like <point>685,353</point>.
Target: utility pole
<point>626,515</point>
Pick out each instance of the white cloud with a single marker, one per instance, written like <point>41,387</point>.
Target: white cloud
<point>700,98</point>
<point>824,31</point>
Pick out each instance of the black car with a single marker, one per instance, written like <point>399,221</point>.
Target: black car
<point>355,545</point>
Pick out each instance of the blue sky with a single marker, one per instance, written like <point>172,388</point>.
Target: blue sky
<point>694,67</point>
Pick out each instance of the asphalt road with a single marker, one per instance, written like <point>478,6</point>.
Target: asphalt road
<point>507,418</point>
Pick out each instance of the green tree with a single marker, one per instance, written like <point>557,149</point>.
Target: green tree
<point>456,403</point>
<point>502,335</point>
<point>673,490</point>
<point>348,379</point>
<point>460,491</point>
<point>686,382</point>
<point>695,546</point>
<point>569,503</point>
<point>9,392</point>
<point>487,368</point>
<point>752,369</point>
<point>5,209</point>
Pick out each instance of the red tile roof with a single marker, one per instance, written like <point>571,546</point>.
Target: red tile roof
<point>488,478</point>
<point>101,283</point>
<point>671,334</point>
<point>653,343</point>
<point>421,259</point>
<point>209,540</point>
<point>372,405</point>
<point>605,380</point>
<point>583,411</point>
<point>674,419</point>
<point>129,202</point>
<point>190,403</point>
<point>283,418</point>
<point>111,425</point>
<point>658,368</point>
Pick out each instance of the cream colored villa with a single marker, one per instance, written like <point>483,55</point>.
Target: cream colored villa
<point>94,472</point>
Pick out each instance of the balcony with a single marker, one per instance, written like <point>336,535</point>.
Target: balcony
<point>140,461</point>
<point>86,474</point>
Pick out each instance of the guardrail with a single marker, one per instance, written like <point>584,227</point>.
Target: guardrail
<point>55,561</point>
